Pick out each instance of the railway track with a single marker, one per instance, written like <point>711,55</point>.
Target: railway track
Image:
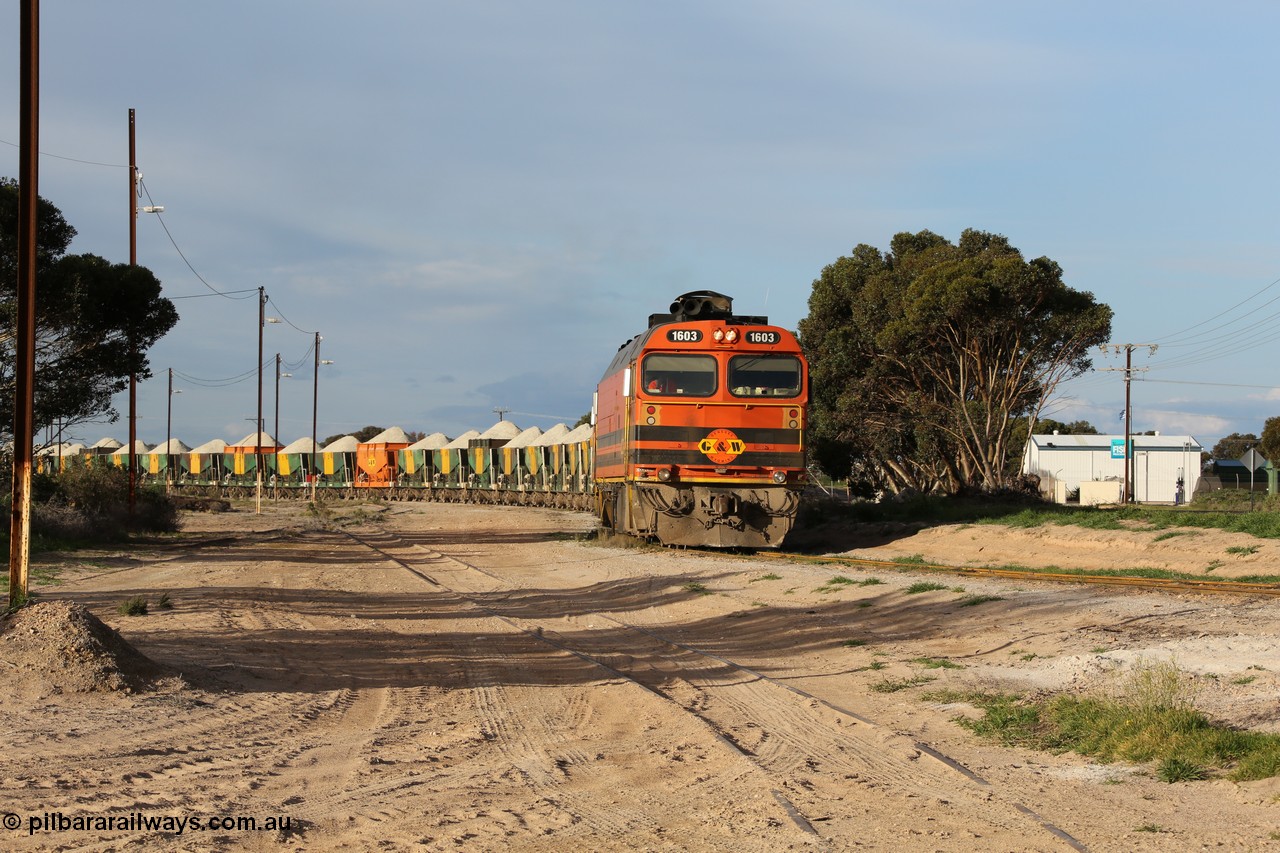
<point>1161,584</point>
<point>807,747</point>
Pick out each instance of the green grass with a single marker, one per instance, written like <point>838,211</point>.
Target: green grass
<point>893,685</point>
<point>870,582</point>
<point>1151,720</point>
<point>769,577</point>
<point>835,583</point>
<point>912,560</point>
<point>1243,550</point>
<point>853,644</point>
<point>694,586</point>
<point>874,666</point>
<point>937,663</point>
<point>1169,534</point>
<point>924,586</point>
<point>1218,511</point>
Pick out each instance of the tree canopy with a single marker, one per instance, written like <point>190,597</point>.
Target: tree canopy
<point>1269,443</point>
<point>1233,446</point>
<point>924,359</point>
<point>95,320</point>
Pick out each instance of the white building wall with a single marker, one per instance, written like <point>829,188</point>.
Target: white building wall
<point>1159,461</point>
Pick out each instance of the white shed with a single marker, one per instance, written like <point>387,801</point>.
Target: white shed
<point>1068,462</point>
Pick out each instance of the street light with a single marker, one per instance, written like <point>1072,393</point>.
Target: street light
<point>315,398</point>
<point>135,178</point>
<point>168,433</point>
<point>257,440</point>
<point>275,492</point>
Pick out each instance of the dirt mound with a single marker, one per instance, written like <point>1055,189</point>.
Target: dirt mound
<point>65,648</point>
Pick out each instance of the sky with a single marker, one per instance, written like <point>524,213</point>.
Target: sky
<point>475,204</point>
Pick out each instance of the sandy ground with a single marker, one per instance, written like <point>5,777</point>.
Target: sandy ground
<point>448,677</point>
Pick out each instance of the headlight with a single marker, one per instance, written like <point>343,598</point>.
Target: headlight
<point>664,475</point>
<point>779,477</point>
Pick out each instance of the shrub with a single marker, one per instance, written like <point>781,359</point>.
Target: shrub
<point>136,606</point>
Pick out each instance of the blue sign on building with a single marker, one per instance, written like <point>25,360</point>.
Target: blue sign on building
<point>1117,448</point>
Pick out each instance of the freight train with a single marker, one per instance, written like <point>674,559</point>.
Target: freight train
<point>696,438</point>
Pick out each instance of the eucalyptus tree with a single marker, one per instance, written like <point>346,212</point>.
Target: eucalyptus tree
<point>95,321</point>
<point>925,358</point>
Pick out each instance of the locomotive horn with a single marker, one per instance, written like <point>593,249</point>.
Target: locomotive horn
<point>702,305</point>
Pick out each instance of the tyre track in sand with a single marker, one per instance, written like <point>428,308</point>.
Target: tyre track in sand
<point>810,751</point>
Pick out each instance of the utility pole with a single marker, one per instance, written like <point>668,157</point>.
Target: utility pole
<point>257,442</point>
<point>1128,406</point>
<point>133,261</point>
<point>315,395</point>
<point>25,331</point>
<point>315,405</point>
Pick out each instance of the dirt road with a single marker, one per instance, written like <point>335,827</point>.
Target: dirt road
<point>461,678</point>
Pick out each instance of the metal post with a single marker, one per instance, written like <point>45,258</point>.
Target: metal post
<point>262,322</point>
<point>168,436</point>
<point>25,331</point>
<point>1128,424</point>
<point>275,490</point>
<point>315,397</point>
<point>133,261</point>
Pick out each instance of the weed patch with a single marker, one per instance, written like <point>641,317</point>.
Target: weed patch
<point>893,685</point>
<point>937,663</point>
<point>1151,719</point>
<point>136,606</point>
<point>924,586</point>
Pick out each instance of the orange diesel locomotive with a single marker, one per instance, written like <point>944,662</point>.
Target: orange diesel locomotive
<point>700,429</point>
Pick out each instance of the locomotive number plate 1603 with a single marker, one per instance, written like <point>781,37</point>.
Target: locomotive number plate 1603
<point>762,337</point>
<point>684,336</point>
